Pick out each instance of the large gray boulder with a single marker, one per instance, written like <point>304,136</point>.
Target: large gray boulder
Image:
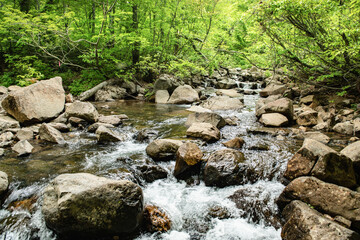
<point>224,168</point>
<point>36,103</point>
<point>222,103</point>
<point>50,134</point>
<point>205,131</point>
<point>283,106</point>
<point>325,197</point>
<point>352,151</point>
<point>82,205</point>
<point>205,117</point>
<point>162,96</point>
<point>303,222</point>
<point>84,110</point>
<point>163,149</point>
<point>183,95</point>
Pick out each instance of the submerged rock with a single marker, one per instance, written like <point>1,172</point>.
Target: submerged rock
<point>187,157</point>
<point>163,149</point>
<point>205,131</point>
<point>156,220</point>
<point>82,205</point>
<point>303,222</point>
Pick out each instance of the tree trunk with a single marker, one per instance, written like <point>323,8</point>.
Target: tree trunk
<point>25,5</point>
<point>92,18</point>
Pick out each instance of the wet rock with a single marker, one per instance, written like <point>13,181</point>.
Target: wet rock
<point>36,103</point>
<point>187,158</point>
<point>163,149</point>
<point>183,95</point>
<point>156,220</point>
<point>151,173</point>
<point>4,184</point>
<point>83,205</point>
<point>24,134</point>
<point>260,147</point>
<point>308,118</point>
<point>50,134</point>
<point>302,222</point>
<point>205,131</point>
<point>352,151</point>
<point>274,120</point>
<point>223,168</point>
<point>60,126</point>
<point>105,135</point>
<point>304,160</point>
<point>25,204</point>
<point>146,135</point>
<point>84,110</point>
<point>344,128</point>
<point>205,117</point>
<point>22,148</point>
<point>219,212</point>
<point>273,89</point>
<point>162,96</point>
<point>7,122</point>
<point>234,143</point>
<point>231,121</point>
<point>114,120</point>
<point>324,197</point>
<point>198,109</point>
<point>222,103</point>
<point>110,93</point>
<point>93,127</point>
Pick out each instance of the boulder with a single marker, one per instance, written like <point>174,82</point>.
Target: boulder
<point>318,136</point>
<point>110,93</point>
<point>163,149</point>
<point>162,96</point>
<point>325,197</point>
<point>156,220</point>
<point>223,168</point>
<point>183,95</point>
<point>130,87</point>
<point>303,222</point>
<point>7,122</point>
<point>229,92</point>
<point>222,103</point>
<point>166,82</point>
<point>305,159</point>
<point>273,89</point>
<point>93,127</point>
<point>60,126</point>
<point>36,103</point>
<point>114,120</point>
<point>346,128</point>
<point>22,148</point>
<point>146,135</point>
<point>198,109</point>
<point>77,122</point>
<point>205,131</point>
<point>352,151</point>
<point>105,135</point>
<point>24,134</point>
<point>273,120</point>
<point>261,102</point>
<point>283,106</point>
<point>151,173</point>
<point>205,117</point>
<point>50,134</point>
<point>187,157</point>
<point>84,110</point>
<point>82,205</point>
<point>234,143</point>
<point>308,118</point>
<point>4,184</point>
<point>226,83</point>
<point>307,100</point>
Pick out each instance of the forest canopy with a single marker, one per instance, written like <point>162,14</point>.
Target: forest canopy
<point>86,42</point>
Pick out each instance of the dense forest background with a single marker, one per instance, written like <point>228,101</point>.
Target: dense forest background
<point>89,41</point>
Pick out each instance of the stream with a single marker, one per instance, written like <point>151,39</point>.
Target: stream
<point>189,204</point>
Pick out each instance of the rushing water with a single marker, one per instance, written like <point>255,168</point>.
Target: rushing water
<point>188,204</point>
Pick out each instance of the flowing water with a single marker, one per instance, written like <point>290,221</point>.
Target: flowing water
<point>190,205</point>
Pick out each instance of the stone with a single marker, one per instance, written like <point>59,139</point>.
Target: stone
<point>162,96</point>
<point>283,106</point>
<point>151,173</point>
<point>82,205</point>
<point>307,100</point>
<point>223,168</point>
<point>305,158</point>
<point>222,103</point>
<point>25,134</point>
<point>188,156</point>
<point>272,89</point>
<point>318,136</point>
<point>14,88</point>
<point>163,149</point>
<point>156,220</point>
<point>229,92</point>
<point>234,143</point>
<point>205,131</point>
<point>2,152</point>
<point>303,222</point>
<point>69,98</point>
<point>205,117</point>
<point>307,118</point>
<point>22,148</point>
<point>226,83</point>
<point>110,93</point>
<point>184,95</point>
<point>4,184</point>
<point>198,109</point>
<point>352,151</point>
<point>260,147</point>
<point>84,110</point>
<point>38,102</point>
<point>325,197</point>
<point>324,126</point>
<point>77,122</point>
<point>346,128</point>
<point>166,82</point>
<point>62,118</point>
<point>60,126</point>
<point>261,102</point>
<point>105,135</point>
<point>114,120</point>
<point>7,122</point>
<point>50,134</point>
<point>146,135</point>
<point>93,127</point>
<point>273,120</point>
<point>130,87</point>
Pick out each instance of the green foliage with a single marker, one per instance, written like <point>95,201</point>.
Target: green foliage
<point>183,68</point>
<point>7,80</point>
<point>88,79</point>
